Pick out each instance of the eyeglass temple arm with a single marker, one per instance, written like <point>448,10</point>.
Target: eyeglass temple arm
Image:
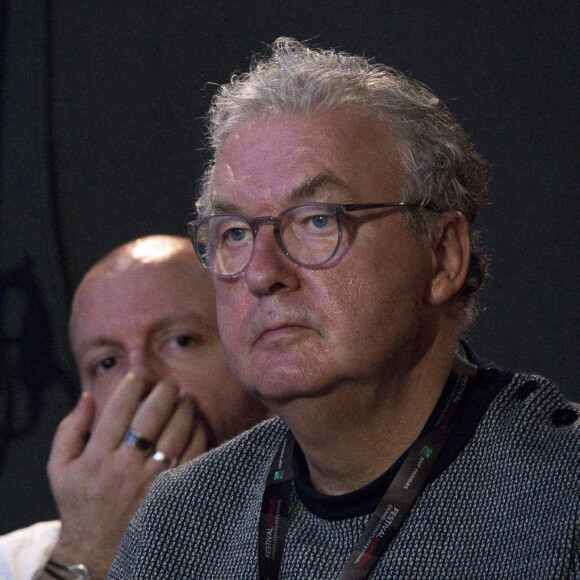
<point>409,204</point>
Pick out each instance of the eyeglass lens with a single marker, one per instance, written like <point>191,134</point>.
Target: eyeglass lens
<point>309,234</point>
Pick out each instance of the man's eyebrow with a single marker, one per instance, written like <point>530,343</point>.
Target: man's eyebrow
<point>304,191</point>
<point>219,206</point>
<point>193,320</point>
<point>310,186</point>
<point>85,347</point>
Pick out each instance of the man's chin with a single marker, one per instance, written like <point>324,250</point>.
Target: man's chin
<point>287,366</point>
<point>277,388</point>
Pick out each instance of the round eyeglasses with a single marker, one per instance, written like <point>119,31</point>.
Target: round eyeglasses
<point>308,233</point>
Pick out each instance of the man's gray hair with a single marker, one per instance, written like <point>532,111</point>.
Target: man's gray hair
<point>441,167</point>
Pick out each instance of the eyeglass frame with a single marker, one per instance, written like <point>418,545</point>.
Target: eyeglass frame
<point>339,209</point>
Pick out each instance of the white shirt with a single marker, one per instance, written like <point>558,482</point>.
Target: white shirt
<point>24,551</point>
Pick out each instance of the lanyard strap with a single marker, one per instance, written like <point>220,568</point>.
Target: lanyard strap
<point>274,517</point>
<point>386,520</point>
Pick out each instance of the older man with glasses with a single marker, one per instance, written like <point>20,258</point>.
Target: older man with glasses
<point>338,219</point>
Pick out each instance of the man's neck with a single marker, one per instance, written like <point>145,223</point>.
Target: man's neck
<point>354,434</point>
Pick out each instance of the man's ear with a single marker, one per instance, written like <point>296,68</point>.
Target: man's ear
<point>451,255</point>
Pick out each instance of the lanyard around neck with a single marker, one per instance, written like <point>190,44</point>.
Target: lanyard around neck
<point>386,520</point>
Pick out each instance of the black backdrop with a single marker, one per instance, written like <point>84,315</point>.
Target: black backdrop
<point>102,142</point>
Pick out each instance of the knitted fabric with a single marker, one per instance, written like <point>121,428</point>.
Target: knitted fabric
<point>507,507</point>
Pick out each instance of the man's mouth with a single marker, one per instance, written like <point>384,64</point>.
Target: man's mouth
<point>280,330</point>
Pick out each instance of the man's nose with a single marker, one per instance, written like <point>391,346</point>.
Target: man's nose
<point>269,269</point>
<point>149,366</point>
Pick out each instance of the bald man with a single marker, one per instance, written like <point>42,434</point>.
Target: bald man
<point>157,392</point>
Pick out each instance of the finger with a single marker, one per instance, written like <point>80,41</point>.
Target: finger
<point>154,413</point>
<point>200,442</point>
<point>177,433</point>
<point>119,411</point>
<point>70,437</point>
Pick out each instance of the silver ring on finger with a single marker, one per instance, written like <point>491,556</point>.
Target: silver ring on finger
<point>134,439</point>
<point>162,458</point>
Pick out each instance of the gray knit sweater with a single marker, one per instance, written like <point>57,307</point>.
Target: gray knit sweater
<point>507,507</point>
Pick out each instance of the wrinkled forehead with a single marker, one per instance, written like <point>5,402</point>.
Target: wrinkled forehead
<point>276,158</point>
<point>261,156</point>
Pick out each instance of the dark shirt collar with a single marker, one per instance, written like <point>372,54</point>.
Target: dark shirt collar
<point>488,382</point>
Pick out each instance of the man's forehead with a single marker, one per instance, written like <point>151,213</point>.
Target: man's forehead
<point>302,158</point>
<point>148,294</point>
<point>275,158</point>
<point>324,186</point>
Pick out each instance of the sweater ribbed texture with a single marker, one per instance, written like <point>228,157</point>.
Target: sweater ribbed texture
<point>507,507</point>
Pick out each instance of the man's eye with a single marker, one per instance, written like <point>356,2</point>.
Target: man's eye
<point>236,235</point>
<point>183,340</point>
<point>106,364</point>
<point>319,221</point>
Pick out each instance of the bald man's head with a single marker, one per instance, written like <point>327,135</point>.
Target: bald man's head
<point>158,250</point>
<point>149,307</point>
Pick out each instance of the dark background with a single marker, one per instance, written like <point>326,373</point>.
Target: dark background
<point>101,142</point>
